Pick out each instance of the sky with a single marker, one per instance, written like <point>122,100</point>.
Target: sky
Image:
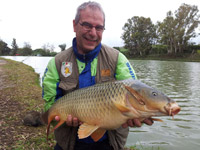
<point>40,22</point>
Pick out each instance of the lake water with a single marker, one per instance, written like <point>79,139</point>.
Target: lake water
<point>181,82</point>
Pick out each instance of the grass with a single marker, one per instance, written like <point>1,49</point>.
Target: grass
<point>19,94</point>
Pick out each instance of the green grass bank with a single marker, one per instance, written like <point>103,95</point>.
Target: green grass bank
<point>20,93</point>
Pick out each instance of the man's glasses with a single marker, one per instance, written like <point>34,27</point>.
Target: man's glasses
<point>87,27</point>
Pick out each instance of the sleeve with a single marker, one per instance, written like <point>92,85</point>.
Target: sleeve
<point>124,69</point>
<point>50,82</point>
<point>118,137</point>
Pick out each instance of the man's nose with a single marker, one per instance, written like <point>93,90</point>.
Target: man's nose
<point>93,31</point>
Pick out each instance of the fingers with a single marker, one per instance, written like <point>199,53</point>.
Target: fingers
<point>148,121</point>
<point>132,123</point>
<point>125,125</point>
<point>72,121</point>
<point>137,123</point>
<point>57,118</point>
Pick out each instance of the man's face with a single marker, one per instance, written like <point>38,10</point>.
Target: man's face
<point>88,38</point>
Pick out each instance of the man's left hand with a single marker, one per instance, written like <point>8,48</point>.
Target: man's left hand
<point>137,122</point>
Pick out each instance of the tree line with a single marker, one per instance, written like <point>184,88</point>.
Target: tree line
<point>26,50</point>
<point>171,36</point>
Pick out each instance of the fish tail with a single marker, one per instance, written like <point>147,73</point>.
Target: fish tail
<point>48,126</point>
<point>50,119</point>
<point>47,119</point>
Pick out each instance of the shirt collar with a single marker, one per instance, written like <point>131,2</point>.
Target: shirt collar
<point>86,57</point>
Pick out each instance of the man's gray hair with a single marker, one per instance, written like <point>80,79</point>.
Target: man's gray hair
<point>91,5</point>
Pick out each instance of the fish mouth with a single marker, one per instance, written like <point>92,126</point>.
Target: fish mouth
<point>172,109</point>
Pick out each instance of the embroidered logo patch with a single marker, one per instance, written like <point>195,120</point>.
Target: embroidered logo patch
<point>66,69</point>
<point>105,73</point>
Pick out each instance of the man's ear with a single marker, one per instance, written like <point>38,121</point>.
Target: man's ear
<point>74,25</point>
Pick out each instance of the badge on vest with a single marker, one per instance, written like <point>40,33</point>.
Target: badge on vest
<point>105,73</point>
<point>66,69</point>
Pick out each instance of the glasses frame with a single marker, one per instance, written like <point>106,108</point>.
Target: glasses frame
<point>88,27</point>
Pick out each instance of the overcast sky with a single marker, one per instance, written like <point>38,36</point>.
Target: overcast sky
<point>39,22</point>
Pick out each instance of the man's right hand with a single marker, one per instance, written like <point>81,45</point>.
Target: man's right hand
<point>70,121</point>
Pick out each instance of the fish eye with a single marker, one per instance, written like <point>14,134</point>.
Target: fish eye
<point>154,93</point>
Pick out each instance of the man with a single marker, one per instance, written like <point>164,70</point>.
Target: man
<point>86,63</point>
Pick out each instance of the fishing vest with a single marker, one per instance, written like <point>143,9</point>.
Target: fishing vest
<point>65,136</point>
<point>106,66</point>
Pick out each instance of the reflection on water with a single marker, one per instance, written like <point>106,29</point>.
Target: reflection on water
<point>181,82</point>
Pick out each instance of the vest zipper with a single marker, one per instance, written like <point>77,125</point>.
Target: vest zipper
<point>84,59</point>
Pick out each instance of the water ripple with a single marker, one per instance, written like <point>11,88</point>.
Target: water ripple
<point>180,81</point>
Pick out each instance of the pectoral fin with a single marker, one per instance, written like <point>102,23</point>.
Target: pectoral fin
<point>136,95</point>
<point>122,108</point>
<point>86,130</point>
<point>156,119</point>
<point>96,135</point>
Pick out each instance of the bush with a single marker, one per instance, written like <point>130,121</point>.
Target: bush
<point>192,48</point>
<point>159,49</point>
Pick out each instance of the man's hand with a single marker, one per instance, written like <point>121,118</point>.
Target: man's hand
<point>137,123</point>
<point>70,121</point>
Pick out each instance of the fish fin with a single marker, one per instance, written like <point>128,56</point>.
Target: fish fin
<point>86,130</point>
<point>135,94</point>
<point>96,135</point>
<point>50,119</point>
<point>155,119</point>
<point>121,107</point>
<point>58,124</point>
<point>45,118</point>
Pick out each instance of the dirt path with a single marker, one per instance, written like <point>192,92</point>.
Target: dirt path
<point>2,75</point>
<point>6,104</point>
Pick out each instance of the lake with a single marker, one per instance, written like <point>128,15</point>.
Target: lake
<point>181,82</point>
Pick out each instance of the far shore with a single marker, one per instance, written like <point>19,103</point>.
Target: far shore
<point>185,58</point>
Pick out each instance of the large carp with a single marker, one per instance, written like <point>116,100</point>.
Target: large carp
<point>107,106</point>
